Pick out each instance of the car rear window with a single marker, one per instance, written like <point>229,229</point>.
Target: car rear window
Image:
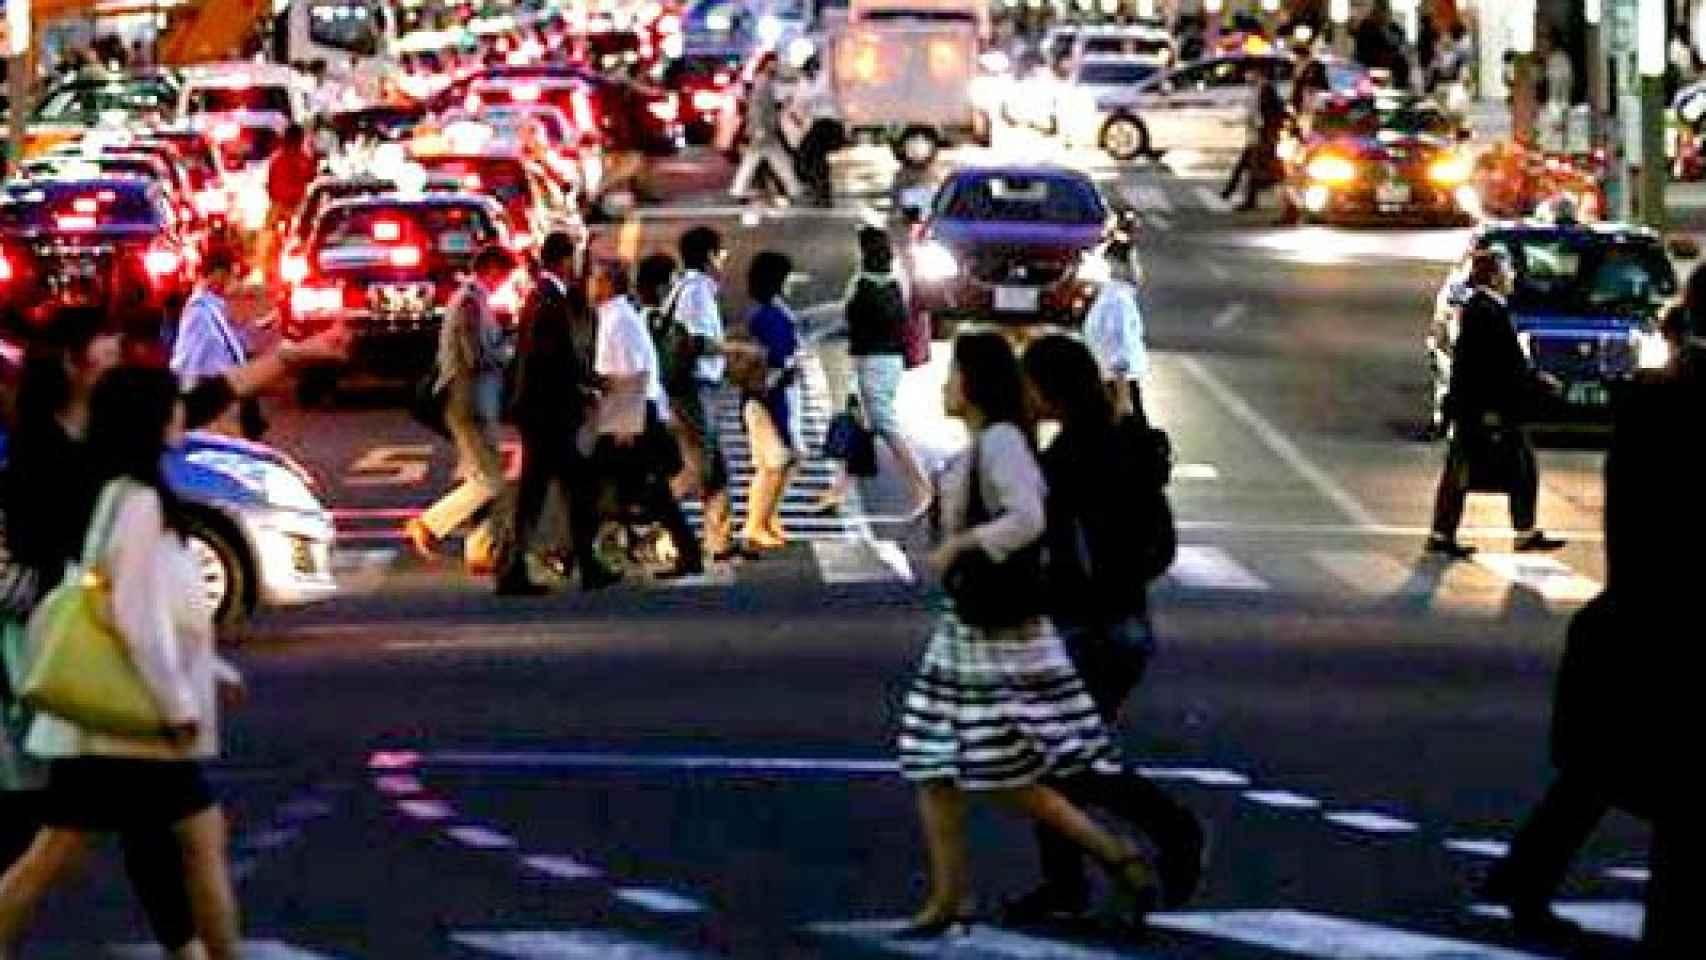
<point>230,99</point>
<point>1025,198</point>
<point>448,230</point>
<point>500,177</point>
<point>73,207</point>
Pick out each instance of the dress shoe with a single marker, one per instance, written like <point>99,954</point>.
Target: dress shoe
<point>1538,542</point>
<point>422,540</point>
<point>1450,548</point>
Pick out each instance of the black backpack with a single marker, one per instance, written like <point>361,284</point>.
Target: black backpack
<point>1130,540</point>
<point>1150,453</point>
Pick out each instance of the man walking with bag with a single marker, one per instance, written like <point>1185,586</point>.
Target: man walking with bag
<point>553,394</point>
<point>1492,381</point>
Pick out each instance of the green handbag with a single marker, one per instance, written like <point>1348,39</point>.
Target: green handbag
<point>80,668</point>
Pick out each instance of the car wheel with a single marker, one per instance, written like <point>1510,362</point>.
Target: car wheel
<point>224,569</point>
<point>916,147</point>
<point>1125,139</point>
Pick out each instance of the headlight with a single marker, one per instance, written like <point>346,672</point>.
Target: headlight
<point>1652,350</point>
<point>1450,170</point>
<point>934,263</point>
<point>1332,169</point>
<point>274,485</point>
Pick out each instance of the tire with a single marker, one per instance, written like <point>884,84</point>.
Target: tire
<point>227,572</point>
<point>1125,139</point>
<point>916,147</point>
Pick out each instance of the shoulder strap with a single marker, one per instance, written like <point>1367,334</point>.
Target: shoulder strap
<point>102,523</point>
<point>975,507</point>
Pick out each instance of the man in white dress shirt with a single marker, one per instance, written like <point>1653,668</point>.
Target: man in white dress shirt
<point>1113,330</point>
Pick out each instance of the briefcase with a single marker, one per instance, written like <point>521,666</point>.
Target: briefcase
<point>1498,459</point>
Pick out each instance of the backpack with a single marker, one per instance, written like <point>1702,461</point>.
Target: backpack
<point>1132,540</point>
<point>674,345</point>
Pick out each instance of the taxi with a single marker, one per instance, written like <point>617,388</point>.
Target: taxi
<point>385,267</point>
<point>195,151</point>
<point>1587,306</point>
<point>1009,246</point>
<point>68,111</point>
<point>86,239</point>
<point>550,138</point>
<point>1383,158</point>
<point>473,157</point>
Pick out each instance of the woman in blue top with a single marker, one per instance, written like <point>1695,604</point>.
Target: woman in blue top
<point>771,407</point>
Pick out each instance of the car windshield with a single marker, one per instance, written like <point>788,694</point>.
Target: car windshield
<point>69,207</point>
<point>272,99</point>
<point>1130,46</point>
<point>84,105</point>
<point>455,230</point>
<point>1024,198</point>
<point>1366,118</point>
<point>1586,273</point>
<point>324,195</point>
<point>499,177</point>
<point>1114,74</point>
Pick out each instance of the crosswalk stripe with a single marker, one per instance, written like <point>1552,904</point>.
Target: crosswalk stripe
<point>1375,574</point>
<point>562,868</point>
<point>566,945</point>
<point>1491,849</point>
<point>658,901</point>
<point>1371,821</point>
<point>1212,568</point>
<point>1547,576</point>
<point>1621,919</point>
<point>1212,200</point>
<point>1316,935</point>
<point>251,950</point>
<point>1148,198</point>
<point>857,561</point>
<point>979,943</point>
<point>481,838</point>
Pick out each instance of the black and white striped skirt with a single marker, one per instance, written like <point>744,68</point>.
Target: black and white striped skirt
<point>992,710</point>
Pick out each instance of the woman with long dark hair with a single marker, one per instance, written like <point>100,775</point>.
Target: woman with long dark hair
<point>1102,489</point>
<point>103,783</point>
<point>998,710</point>
<point>772,413</point>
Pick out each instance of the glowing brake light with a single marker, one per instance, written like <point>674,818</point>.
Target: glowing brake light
<point>405,257</point>
<point>944,58</point>
<point>72,224</point>
<point>665,109</point>
<point>226,132</point>
<point>526,93</point>
<point>387,230</point>
<point>472,181</point>
<point>311,300</point>
<point>85,205</point>
<point>6,271</point>
<point>521,242</point>
<point>293,268</point>
<point>162,263</point>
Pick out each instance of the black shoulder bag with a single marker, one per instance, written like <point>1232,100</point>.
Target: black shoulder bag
<point>988,594</point>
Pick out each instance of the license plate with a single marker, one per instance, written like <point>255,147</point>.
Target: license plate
<point>400,300</point>
<point>1392,193</point>
<point>1017,299</point>
<point>1587,395</point>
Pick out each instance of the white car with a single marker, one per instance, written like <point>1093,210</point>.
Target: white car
<point>1148,42</point>
<point>233,87</point>
<point>1095,81</point>
<point>1202,106</point>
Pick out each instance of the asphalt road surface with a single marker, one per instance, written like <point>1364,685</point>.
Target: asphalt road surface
<point>425,771</point>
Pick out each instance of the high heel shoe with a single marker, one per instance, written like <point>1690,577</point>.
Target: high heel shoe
<point>1139,887</point>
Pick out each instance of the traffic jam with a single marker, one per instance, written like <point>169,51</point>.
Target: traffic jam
<point>438,143</point>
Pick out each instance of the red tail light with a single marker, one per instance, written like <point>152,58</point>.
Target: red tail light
<point>6,271</point>
<point>471,181</point>
<point>293,268</point>
<point>405,257</point>
<point>161,263</point>
<point>306,301</point>
<point>73,224</point>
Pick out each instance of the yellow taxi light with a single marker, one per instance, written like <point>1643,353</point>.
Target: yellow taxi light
<point>1332,169</point>
<point>1451,170</point>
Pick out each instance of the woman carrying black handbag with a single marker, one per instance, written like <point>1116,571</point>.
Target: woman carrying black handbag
<point>996,708</point>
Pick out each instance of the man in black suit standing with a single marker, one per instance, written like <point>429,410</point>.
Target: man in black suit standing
<point>1492,382</point>
<point>554,394</point>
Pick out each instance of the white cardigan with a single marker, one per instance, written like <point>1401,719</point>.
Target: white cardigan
<point>159,607</point>
<point>1013,492</point>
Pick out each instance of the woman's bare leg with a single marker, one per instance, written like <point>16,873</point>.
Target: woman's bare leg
<point>55,854</point>
<point>941,812</point>
<point>207,877</point>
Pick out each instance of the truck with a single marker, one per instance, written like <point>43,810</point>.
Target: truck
<point>901,72</point>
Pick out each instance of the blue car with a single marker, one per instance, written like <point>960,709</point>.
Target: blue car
<point>256,526</point>
<point>1587,307</point>
<point>1008,246</point>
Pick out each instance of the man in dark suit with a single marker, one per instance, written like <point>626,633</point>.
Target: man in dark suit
<point>1491,383</point>
<point>553,397</point>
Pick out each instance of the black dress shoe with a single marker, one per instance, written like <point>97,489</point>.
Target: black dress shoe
<point>1450,548</point>
<point>1538,542</point>
<point>521,588</point>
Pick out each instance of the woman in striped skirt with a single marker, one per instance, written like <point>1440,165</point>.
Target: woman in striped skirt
<point>997,711</point>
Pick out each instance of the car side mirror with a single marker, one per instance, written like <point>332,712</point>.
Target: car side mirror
<point>1683,247</point>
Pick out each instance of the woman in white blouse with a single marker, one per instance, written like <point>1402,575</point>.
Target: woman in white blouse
<point>999,711</point>
<point>99,783</point>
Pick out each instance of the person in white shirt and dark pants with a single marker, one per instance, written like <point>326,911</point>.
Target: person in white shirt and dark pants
<point>207,343</point>
<point>1113,330</point>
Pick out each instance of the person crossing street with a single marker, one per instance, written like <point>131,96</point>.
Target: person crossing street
<point>766,147</point>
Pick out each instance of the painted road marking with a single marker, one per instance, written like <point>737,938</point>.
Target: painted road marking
<point>269,839</point>
<point>658,900</point>
<point>566,945</point>
<point>1201,776</point>
<point>1212,200</point>
<point>1629,874</point>
<point>1547,576</point>
<point>1316,935</point>
<point>1371,821</point>
<point>481,838</point>
<point>425,810</point>
<point>1492,849</point>
<point>1196,471</point>
<point>1282,799</point>
<point>1149,198</point>
<point>1198,567</point>
<point>562,868</point>
<point>857,561</point>
<point>1375,574</point>
<point>979,942</point>
<point>397,786</point>
<point>251,950</point>
<point>1276,441</point>
<point>1229,316</point>
<point>1621,919</point>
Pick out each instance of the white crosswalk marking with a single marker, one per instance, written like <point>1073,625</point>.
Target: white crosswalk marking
<point>251,950</point>
<point>1212,200</point>
<point>562,868</point>
<point>1547,576</point>
<point>1149,198</point>
<point>1376,574</point>
<point>1371,821</point>
<point>658,901</point>
<point>979,943</point>
<point>481,838</point>
<point>1608,918</point>
<point>566,945</point>
<point>1212,568</point>
<point>1332,938</point>
<point>855,561</point>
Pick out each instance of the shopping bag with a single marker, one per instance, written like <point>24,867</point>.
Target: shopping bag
<point>847,439</point>
<point>80,668</point>
<point>1497,459</point>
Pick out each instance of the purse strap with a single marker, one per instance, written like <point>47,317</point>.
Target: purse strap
<point>977,512</point>
<point>102,523</point>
